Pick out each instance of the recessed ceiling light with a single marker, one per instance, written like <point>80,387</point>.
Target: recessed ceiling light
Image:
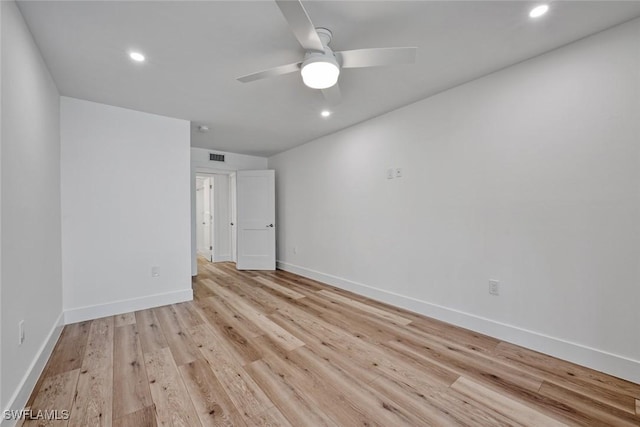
<point>538,11</point>
<point>136,56</point>
<point>325,113</point>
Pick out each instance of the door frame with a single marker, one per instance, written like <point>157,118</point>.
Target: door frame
<point>233,215</point>
<point>203,171</point>
<point>211,214</point>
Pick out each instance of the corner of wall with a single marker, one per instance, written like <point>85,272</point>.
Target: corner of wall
<point>19,399</point>
<point>80,314</point>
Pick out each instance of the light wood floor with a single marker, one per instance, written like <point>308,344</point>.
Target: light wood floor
<point>273,348</point>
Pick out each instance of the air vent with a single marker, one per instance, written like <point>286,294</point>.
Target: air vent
<point>216,157</point>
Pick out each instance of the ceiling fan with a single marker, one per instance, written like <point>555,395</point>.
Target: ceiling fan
<point>321,66</point>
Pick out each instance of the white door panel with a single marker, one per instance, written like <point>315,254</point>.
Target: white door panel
<point>255,193</point>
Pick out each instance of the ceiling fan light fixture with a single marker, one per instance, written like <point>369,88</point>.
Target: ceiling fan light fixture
<point>320,72</point>
<point>137,56</point>
<point>539,10</point>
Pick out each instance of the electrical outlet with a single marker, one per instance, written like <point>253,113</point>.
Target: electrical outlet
<point>295,249</point>
<point>494,287</point>
<point>155,271</point>
<point>398,172</point>
<point>20,332</point>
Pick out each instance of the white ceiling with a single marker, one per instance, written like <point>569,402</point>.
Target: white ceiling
<point>196,50</point>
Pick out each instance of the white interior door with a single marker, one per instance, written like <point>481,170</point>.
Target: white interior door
<point>256,211</point>
<point>221,216</point>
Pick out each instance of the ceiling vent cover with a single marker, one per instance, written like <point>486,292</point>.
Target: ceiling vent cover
<point>216,157</point>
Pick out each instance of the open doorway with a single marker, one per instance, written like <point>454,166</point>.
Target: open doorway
<point>204,217</point>
<point>221,231</point>
<point>214,213</point>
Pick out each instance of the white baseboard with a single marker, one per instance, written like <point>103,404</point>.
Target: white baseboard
<point>599,360</point>
<point>81,314</point>
<point>28,382</point>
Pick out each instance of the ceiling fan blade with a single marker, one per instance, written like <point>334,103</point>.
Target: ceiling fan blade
<point>332,94</point>
<point>271,72</point>
<point>376,57</point>
<point>300,24</point>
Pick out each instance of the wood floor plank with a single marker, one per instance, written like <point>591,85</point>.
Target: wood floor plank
<point>218,311</point>
<point>245,394</point>
<point>70,348</point>
<point>56,394</point>
<point>368,356</point>
<point>320,393</point>
<point>273,348</point>
<point>125,319</point>
<point>442,330</point>
<point>474,366</point>
<point>297,407</point>
<point>201,291</point>
<point>145,417</point>
<point>130,383</point>
<point>278,334</point>
<point>173,404</point>
<point>367,308</point>
<point>93,403</point>
<point>503,404</point>
<point>357,323</point>
<point>614,391</point>
<point>596,410</point>
<point>332,346</point>
<point>151,336</point>
<point>180,343</point>
<point>289,284</point>
<point>269,418</point>
<point>213,406</point>
<point>279,288</point>
<point>378,408</point>
<point>249,292</point>
<point>232,327</point>
<point>435,405</point>
<point>187,315</point>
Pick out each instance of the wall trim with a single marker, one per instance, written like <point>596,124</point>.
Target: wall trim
<point>28,382</point>
<point>612,364</point>
<point>91,312</point>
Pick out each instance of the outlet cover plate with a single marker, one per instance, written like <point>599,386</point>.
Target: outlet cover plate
<point>494,287</point>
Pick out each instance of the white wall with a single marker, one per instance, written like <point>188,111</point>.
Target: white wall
<point>30,221</point>
<point>125,209</point>
<point>530,176</point>
<point>1,401</point>
<point>200,163</point>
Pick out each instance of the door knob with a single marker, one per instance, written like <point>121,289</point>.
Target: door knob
<point>270,225</point>
<point>231,223</point>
